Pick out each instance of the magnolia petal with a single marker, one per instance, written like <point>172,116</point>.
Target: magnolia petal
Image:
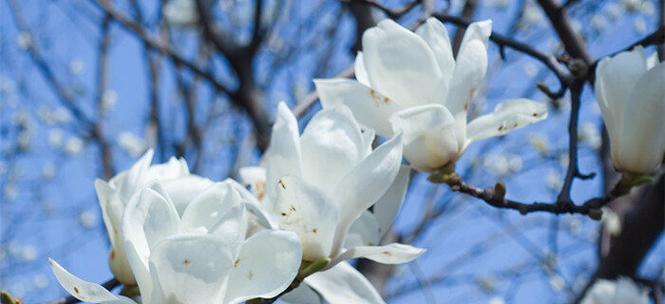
<point>430,139</point>
<point>192,268</point>
<point>615,79</point>
<point>133,178</point>
<point>369,107</point>
<point>149,218</point>
<point>111,210</point>
<point>388,205</point>
<point>642,141</point>
<point>401,65</point>
<point>139,262</point>
<point>365,231</point>
<point>253,205</point>
<point>208,209</point>
<point>183,190</point>
<point>331,145</point>
<point>344,284</point>
<point>84,290</point>
<point>265,266</point>
<point>652,60</point>
<point>365,184</point>
<point>359,69</point>
<point>394,253</point>
<point>628,292</point>
<point>309,213</point>
<point>507,116</point>
<point>284,156</point>
<point>470,66</point>
<point>436,36</point>
<point>301,295</point>
<point>174,168</point>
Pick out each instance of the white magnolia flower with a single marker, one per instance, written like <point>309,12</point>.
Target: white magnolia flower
<point>115,195</point>
<point>630,92</point>
<point>342,283</point>
<point>621,291</point>
<point>409,82</point>
<point>320,183</point>
<point>207,255</point>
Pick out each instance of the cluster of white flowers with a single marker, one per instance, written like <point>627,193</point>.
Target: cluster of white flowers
<point>327,195</point>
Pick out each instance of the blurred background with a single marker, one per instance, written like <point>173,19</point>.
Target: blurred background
<point>86,86</point>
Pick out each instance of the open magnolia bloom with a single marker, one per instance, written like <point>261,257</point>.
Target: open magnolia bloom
<point>409,82</point>
<point>631,95</point>
<point>621,291</point>
<point>115,195</point>
<point>342,283</point>
<point>204,256</point>
<point>320,183</point>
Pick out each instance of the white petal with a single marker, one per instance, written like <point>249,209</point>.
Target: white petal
<point>615,79</point>
<point>217,211</point>
<point>470,66</point>
<point>266,265</point>
<point>394,253</point>
<point>365,231</point>
<point>360,71</point>
<point>174,168</point>
<point>112,209</point>
<point>253,205</point>
<point>365,184</point>
<point>149,217</point>
<point>309,213</point>
<point>507,116</point>
<point>284,156</point>
<point>133,178</point>
<point>430,139</point>
<point>388,205</point>
<point>629,292</point>
<point>436,36</point>
<point>401,65</point>
<point>83,290</point>
<point>344,284</point>
<point>652,60</point>
<point>369,107</point>
<point>182,190</point>
<point>642,141</point>
<point>301,295</point>
<point>209,206</point>
<point>331,145</point>
<point>192,268</point>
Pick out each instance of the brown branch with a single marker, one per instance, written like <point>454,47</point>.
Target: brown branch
<point>468,11</point>
<point>496,198</point>
<point>102,81</point>
<point>65,95</point>
<point>139,31</point>
<point>572,42</point>
<point>395,13</point>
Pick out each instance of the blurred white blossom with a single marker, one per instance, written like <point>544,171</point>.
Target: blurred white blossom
<point>553,180</point>
<point>24,40</point>
<point>74,146</point>
<point>132,144</point>
<point>88,219</point>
